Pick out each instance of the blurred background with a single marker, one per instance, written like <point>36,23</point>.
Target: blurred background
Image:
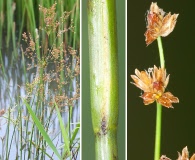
<point>178,124</point>
<point>88,150</point>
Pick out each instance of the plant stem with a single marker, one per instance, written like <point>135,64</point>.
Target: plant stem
<point>161,54</point>
<point>158,132</point>
<point>159,107</point>
<point>103,76</point>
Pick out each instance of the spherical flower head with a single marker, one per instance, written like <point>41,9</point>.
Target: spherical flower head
<point>159,23</point>
<point>153,83</point>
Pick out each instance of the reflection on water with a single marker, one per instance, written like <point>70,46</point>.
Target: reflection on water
<point>12,90</point>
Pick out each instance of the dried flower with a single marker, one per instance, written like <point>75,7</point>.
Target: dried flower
<point>153,83</point>
<point>49,18</point>
<point>159,23</point>
<point>185,155</point>
<point>163,157</point>
<point>2,112</point>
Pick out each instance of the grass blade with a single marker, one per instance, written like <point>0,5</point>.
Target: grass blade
<point>75,131</point>
<point>42,130</point>
<point>64,132</point>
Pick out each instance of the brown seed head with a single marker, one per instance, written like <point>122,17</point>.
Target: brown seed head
<point>153,84</point>
<point>159,23</point>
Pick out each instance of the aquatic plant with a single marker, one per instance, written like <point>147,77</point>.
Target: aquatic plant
<point>154,82</point>
<point>52,90</point>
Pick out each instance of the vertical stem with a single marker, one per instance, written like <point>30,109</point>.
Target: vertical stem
<point>158,132</point>
<point>161,54</point>
<point>1,21</point>
<point>159,107</point>
<point>103,76</point>
<point>7,134</point>
<point>21,134</point>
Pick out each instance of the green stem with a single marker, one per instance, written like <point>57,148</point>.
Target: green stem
<point>158,132</point>
<point>161,54</point>
<point>105,145</point>
<point>103,76</point>
<point>159,107</point>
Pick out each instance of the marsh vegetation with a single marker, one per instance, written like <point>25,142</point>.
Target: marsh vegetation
<point>39,79</point>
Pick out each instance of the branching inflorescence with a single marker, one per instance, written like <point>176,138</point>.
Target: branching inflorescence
<point>61,63</point>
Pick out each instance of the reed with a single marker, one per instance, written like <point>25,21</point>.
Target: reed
<point>50,57</point>
<point>26,16</point>
<point>9,19</point>
<point>2,66</point>
<point>1,21</point>
<point>103,77</point>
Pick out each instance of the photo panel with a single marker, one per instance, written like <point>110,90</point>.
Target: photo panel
<point>160,49</point>
<point>114,82</point>
<point>40,79</point>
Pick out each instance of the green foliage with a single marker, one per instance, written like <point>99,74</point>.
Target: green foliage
<point>42,130</point>
<point>51,54</point>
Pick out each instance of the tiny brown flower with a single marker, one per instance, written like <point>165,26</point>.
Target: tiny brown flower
<point>185,155</point>
<point>163,157</point>
<point>2,112</point>
<point>159,23</point>
<point>153,83</point>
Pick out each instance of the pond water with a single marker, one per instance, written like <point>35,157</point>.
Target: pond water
<point>19,134</point>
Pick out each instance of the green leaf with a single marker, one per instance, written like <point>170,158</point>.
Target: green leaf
<point>42,130</point>
<point>75,131</point>
<point>64,133</point>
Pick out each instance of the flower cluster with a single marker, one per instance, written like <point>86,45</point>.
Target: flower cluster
<point>49,18</point>
<point>183,156</point>
<point>159,23</point>
<point>153,83</point>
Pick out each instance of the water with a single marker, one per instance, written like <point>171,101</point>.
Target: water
<point>12,92</point>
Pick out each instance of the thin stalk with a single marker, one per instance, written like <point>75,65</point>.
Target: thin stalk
<point>21,133</point>
<point>158,132</point>
<point>72,16</point>
<point>103,76</point>
<point>19,11</point>
<point>44,36</point>
<point>60,41</point>
<point>14,39</point>
<point>7,133</point>
<point>76,23</point>
<point>1,21</point>
<point>12,137</point>
<point>24,68</point>
<point>31,135</point>
<point>37,136</point>
<point>9,20</point>
<point>31,139</point>
<point>31,18</point>
<point>22,21</point>
<point>2,66</point>
<point>159,108</point>
<point>161,53</point>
